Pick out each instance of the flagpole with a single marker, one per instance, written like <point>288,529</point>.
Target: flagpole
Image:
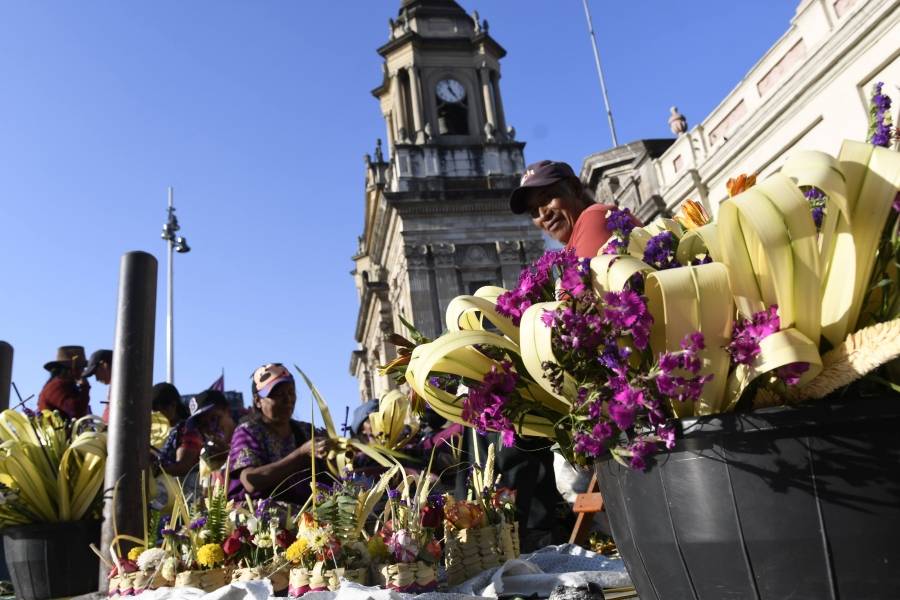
<point>609,116</point>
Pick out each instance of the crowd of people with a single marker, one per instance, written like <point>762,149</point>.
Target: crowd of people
<point>266,453</point>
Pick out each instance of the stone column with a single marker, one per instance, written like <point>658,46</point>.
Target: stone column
<point>533,250</point>
<point>128,445</point>
<point>510,262</point>
<point>399,117</point>
<point>446,278</point>
<point>485,76</point>
<point>498,103</point>
<point>420,294</point>
<point>416,100</point>
<point>6,362</point>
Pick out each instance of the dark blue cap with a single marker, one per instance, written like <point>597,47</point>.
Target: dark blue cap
<point>361,413</point>
<point>539,174</point>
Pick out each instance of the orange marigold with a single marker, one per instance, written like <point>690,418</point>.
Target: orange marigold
<point>739,184</point>
<point>692,215</point>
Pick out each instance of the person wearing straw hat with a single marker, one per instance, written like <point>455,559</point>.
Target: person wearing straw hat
<point>67,391</point>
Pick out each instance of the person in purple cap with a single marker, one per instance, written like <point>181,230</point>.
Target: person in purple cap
<point>271,453</point>
<point>559,205</point>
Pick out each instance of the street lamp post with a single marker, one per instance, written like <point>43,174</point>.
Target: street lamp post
<point>178,244</point>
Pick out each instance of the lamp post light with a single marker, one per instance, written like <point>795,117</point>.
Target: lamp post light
<point>178,244</point>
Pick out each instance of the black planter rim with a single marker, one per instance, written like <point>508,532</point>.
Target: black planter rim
<point>30,529</point>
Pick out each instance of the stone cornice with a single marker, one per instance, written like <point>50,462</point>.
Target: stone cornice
<point>443,43</point>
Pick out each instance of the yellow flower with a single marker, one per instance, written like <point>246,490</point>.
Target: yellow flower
<point>135,552</point>
<point>209,555</point>
<point>692,215</point>
<point>295,551</point>
<point>739,184</point>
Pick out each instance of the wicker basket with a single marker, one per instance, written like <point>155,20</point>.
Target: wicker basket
<point>319,579</point>
<point>468,552</point>
<point>207,581</point>
<point>414,578</point>
<point>279,577</point>
<point>152,580</point>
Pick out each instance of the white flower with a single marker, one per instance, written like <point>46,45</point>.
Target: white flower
<point>169,568</point>
<point>149,560</point>
<point>253,524</point>
<point>262,540</point>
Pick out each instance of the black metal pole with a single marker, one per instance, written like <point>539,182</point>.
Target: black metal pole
<point>128,440</point>
<point>6,359</point>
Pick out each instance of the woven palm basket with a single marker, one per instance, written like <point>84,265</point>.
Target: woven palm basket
<point>207,581</point>
<point>149,581</point>
<point>468,552</point>
<point>279,577</point>
<point>303,580</point>
<point>860,354</point>
<point>406,577</point>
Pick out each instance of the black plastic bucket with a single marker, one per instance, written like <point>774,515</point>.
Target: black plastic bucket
<point>52,560</point>
<point>800,503</point>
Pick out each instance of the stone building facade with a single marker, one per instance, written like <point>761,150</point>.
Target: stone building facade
<point>810,91</point>
<point>437,222</point>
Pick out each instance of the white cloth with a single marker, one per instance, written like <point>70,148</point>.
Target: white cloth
<point>537,573</point>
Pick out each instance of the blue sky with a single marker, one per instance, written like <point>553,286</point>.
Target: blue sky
<point>259,113</point>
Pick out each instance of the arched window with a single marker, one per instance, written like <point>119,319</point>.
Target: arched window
<point>406,100</point>
<point>453,118</point>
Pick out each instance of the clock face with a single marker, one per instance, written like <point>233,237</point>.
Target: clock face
<point>450,90</point>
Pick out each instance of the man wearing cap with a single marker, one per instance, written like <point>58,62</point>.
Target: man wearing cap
<point>559,205</point>
<point>100,366</point>
<point>66,390</point>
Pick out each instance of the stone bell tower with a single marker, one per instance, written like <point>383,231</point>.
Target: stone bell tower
<point>437,221</point>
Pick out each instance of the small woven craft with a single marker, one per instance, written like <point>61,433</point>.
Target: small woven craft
<point>317,579</point>
<point>414,578</point>
<point>279,577</point>
<point>207,581</point>
<point>468,552</point>
<point>143,581</point>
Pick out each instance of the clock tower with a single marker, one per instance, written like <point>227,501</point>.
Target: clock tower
<point>437,220</point>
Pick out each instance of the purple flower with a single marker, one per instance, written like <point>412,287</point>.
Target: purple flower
<point>614,246</point>
<point>880,131</point>
<point>666,433</point>
<point>639,451</point>
<point>624,407</point>
<point>660,251</point>
<point>791,373</point>
<point>896,204</point>
<point>484,406</point>
<point>263,505</point>
<point>816,199</point>
<point>535,283</point>
<point>588,445</point>
<point>619,220</point>
<point>197,523</point>
<point>393,494</point>
<point>627,314</point>
<point>575,281</point>
<point>747,333</point>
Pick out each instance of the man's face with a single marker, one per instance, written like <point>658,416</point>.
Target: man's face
<point>553,212</point>
<point>102,373</point>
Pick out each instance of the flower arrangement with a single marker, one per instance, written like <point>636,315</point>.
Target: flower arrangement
<point>51,468</point>
<point>331,542</point>
<point>480,532</point>
<point>405,548</point>
<point>685,317</point>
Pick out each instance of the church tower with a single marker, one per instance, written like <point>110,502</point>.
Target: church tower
<point>437,220</point>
